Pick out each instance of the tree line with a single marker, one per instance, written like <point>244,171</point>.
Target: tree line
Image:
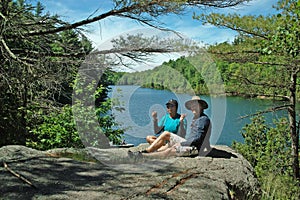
<point>181,76</point>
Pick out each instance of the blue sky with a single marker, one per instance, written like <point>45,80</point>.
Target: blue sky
<point>99,32</point>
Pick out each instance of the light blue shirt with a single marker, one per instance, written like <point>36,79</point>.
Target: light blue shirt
<point>171,124</point>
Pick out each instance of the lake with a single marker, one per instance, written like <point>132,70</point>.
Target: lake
<point>225,112</point>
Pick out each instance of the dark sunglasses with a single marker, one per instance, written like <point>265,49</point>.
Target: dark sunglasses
<point>170,106</point>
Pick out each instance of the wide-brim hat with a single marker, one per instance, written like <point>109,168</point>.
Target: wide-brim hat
<point>194,99</point>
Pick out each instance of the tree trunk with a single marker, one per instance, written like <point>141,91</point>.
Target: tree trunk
<point>293,130</point>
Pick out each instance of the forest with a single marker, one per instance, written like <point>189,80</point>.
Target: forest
<point>231,77</point>
<point>48,101</point>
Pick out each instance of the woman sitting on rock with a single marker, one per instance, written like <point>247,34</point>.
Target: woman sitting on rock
<point>172,122</point>
<point>198,138</point>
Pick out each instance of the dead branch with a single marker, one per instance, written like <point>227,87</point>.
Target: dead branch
<point>18,175</point>
<point>12,55</point>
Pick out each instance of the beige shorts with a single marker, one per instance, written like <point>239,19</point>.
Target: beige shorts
<point>174,139</point>
<point>181,150</point>
<point>186,151</point>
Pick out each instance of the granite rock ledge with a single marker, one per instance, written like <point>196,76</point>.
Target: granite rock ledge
<point>93,173</point>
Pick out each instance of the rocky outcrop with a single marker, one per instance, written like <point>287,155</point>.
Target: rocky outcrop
<point>93,173</point>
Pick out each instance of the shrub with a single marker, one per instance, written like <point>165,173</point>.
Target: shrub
<point>268,149</point>
<point>58,130</point>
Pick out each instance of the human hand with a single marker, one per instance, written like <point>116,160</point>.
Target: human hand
<point>154,115</point>
<point>182,116</point>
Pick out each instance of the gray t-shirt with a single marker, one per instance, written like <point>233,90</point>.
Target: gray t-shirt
<point>199,129</point>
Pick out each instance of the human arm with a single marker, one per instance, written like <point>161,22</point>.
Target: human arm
<point>156,126</point>
<point>198,132</point>
<point>182,126</point>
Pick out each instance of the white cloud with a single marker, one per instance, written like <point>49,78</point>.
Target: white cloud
<point>110,28</point>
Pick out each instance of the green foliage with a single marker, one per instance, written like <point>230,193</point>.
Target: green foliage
<point>265,49</point>
<point>37,78</point>
<point>285,40</point>
<point>114,77</point>
<point>267,53</point>
<point>37,71</point>
<point>276,186</point>
<point>254,135</point>
<point>91,109</point>
<point>57,130</point>
<point>96,127</point>
<point>246,79</point>
<point>268,149</point>
<point>186,78</point>
<point>107,123</point>
<point>253,80</point>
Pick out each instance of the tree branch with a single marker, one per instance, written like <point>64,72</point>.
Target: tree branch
<point>140,8</point>
<point>94,19</point>
<point>243,31</point>
<point>231,53</point>
<point>248,81</point>
<point>12,55</point>
<point>146,22</point>
<point>216,3</point>
<point>273,109</point>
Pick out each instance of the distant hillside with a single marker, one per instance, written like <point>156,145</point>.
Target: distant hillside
<point>200,75</point>
<point>179,76</point>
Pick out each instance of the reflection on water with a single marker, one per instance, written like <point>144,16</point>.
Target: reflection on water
<point>224,112</point>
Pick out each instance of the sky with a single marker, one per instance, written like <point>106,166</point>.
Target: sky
<point>100,33</point>
<point>75,10</point>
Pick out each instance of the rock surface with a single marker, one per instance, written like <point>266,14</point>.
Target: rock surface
<point>47,175</point>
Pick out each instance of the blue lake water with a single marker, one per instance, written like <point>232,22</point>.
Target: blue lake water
<point>225,112</point>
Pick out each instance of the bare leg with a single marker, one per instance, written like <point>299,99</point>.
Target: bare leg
<point>150,139</point>
<point>163,147</point>
<point>159,142</point>
<point>171,151</point>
